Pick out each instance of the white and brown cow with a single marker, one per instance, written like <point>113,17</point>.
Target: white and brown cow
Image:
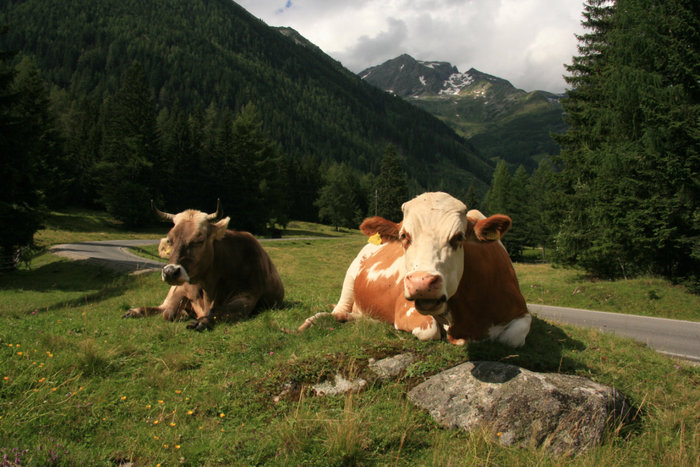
<point>441,269</point>
<point>214,272</point>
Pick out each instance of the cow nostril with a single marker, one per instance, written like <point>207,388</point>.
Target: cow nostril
<point>174,274</point>
<point>171,271</point>
<point>434,281</point>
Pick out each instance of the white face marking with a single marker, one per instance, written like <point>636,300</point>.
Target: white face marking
<point>430,222</point>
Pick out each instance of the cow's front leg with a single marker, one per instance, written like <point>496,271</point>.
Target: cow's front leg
<point>424,327</point>
<point>142,311</point>
<point>174,304</point>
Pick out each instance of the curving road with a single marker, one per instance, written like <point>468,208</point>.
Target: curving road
<point>111,253</point>
<point>676,338</point>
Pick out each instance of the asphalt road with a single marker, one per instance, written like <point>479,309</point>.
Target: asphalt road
<point>112,253</point>
<point>669,336</point>
<point>676,338</point>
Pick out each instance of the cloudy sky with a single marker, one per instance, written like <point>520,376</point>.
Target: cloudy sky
<point>524,41</point>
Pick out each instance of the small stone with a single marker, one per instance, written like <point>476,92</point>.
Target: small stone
<point>340,386</point>
<point>391,367</point>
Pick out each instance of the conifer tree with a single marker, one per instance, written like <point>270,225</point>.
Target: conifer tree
<point>54,176</point>
<point>545,207</point>
<point>337,201</point>
<point>497,198</point>
<point>472,200</point>
<point>392,186</point>
<point>20,198</point>
<point>631,153</point>
<point>129,150</point>
<point>519,208</point>
<point>258,189</point>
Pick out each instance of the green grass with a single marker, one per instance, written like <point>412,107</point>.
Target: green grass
<point>81,385</point>
<point>648,296</point>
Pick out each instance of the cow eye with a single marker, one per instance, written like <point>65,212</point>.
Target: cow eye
<point>405,239</point>
<point>195,243</point>
<point>456,240</point>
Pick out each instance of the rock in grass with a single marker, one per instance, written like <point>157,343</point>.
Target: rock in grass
<point>339,386</point>
<point>566,414</point>
<point>391,367</point>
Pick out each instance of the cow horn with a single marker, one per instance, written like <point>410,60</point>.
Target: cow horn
<point>218,213</point>
<point>166,216</point>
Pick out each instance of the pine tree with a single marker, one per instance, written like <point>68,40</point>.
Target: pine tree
<point>56,176</point>
<point>20,198</point>
<point>545,206</point>
<point>472,200</point>
<point>519,208</point>
<point>304,183</point>
<point>259,187</point>
<point>392,186</point>
<point>631,154</point>
<point>337,200</point>
<point>180,164</point>
<point>497,199</point>
<point>129,150</point>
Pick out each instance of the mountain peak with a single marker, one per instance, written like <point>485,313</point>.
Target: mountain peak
<point>408,77</point>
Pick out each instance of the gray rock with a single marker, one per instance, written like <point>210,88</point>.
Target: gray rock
<point>566,414</point>
<point>388,368</point>
<point>339,386</point>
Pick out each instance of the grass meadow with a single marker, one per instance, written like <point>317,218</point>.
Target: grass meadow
<point>79,385</point>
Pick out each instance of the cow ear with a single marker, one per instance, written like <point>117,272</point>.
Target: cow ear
<point>164,248</point>
<point>220,228</point>
<point>492,228</point>
<point>378,225</point>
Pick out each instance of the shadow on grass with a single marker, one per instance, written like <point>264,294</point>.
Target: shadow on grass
<point>543,350</point>
<point>98,283</point>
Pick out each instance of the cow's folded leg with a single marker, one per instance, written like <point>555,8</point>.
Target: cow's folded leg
<point>422,326</point>
<point>238,307</point>
<point>173,312</point>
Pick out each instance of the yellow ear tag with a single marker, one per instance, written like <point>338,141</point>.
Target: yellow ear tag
<point>168,250</point>
<point>492,236</point>
<point>375,239</point>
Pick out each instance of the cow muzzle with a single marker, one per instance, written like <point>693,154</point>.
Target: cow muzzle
<point>427,291</point>
<point>174,274</point>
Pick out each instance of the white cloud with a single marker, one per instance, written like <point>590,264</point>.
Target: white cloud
<point>524,41</point>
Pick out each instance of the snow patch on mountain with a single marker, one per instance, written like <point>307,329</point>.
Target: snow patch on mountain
<point>422,80</point>
<point>455,83</point>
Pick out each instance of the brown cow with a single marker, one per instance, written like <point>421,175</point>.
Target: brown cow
<point>215,273</point>
<point>440,270</point>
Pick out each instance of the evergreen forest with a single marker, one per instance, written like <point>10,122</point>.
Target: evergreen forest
<point>111,104</point>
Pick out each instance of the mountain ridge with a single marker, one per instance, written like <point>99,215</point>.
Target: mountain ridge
<point>500,120</point>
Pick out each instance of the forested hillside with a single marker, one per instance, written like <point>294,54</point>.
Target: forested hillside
<point>197,64</point>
